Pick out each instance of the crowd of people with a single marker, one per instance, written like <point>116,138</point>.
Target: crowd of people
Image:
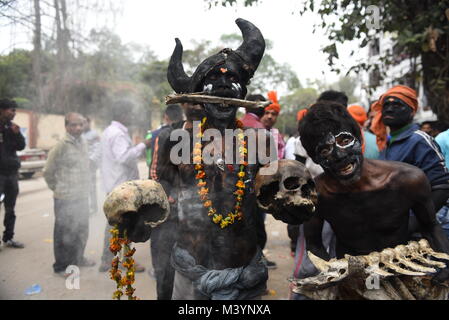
<point>381,179</point>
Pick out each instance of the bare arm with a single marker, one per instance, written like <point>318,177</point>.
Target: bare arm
<point>424,211</point>
<point>312,231</point>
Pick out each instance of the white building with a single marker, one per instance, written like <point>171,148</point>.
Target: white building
<point>399,72</point>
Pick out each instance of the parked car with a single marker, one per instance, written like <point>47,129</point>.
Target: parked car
<point>32,160</point>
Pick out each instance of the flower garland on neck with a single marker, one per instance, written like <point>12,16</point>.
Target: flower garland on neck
<point>237,214</point>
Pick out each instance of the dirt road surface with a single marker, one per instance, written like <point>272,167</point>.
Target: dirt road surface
<point>23,268</point>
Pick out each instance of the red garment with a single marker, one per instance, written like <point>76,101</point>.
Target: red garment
<point>250,120</point>
<point>272,96</point>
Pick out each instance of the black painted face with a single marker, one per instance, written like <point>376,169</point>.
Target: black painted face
<point>341,156</point>
<point>222,82</point>
<point>396,113</point>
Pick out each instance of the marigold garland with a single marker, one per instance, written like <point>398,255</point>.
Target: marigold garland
<point>115,245</point>
<point>202,185</point>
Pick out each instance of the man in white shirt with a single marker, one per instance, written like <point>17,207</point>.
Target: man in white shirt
<point>118,162</point>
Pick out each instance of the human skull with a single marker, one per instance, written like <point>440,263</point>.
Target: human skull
<point>289,194</point>
<point>137,206</point>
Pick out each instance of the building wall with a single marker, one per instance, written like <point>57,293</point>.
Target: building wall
<point>394,72</point>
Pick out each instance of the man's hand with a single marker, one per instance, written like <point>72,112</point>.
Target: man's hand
<point>15,128</point>
<point>171,200</point>
<point>441,277</point>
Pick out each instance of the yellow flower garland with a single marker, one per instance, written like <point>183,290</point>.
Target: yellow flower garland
<point>116,245</point>
<point>202,185</point>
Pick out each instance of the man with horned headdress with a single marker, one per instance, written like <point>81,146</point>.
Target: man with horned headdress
<point>216,255</point>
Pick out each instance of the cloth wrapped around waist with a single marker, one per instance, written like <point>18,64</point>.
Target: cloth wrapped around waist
<point>228,284</point>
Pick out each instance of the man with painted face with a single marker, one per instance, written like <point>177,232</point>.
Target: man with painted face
<point>216,254</point>
<point>396,109</point>
<point>365,201</point>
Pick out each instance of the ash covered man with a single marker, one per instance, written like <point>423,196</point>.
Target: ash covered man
<point>366,202</point>
<point>66,173</point>
<point>216,254</point>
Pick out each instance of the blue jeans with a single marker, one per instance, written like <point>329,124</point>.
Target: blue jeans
<point>443,218</point>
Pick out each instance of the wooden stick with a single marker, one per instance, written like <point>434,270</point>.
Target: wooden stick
<point>200,98</point>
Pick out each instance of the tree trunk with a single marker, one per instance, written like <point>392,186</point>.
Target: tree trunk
<point>436,78</point>
<point>37,57</point>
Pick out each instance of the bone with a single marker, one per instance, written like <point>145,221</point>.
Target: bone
<point>199,98</point>
<point>390,255</point>
<point>389,263</point>
<point>425,248</point>
<point>373,260</point>
<point>414,255</point>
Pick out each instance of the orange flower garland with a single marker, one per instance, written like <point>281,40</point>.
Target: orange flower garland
<point>202,185</point>
<point>116,245</point>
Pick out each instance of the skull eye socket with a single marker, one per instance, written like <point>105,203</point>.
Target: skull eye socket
<point>306,189</point>
<point>267,193</point>
<point>292,183</point>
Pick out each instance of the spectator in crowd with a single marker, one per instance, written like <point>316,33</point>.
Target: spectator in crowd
<point>118,162</point>
<point>396,109</point>
<point>252,116</point>
<point>66,174</point>
<point>269,119</point>
<point>252,119</point>
<point>92,139</point>
<point>369,147</point>
<point>433,128</point>
<point>426,126</point>
<point>11,141</point>
<point>442,140</point>
<point>173,114</point>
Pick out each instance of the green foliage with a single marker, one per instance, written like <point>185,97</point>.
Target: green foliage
<point>16,74</point>
<point>270,75</point>
<point>419,27</point>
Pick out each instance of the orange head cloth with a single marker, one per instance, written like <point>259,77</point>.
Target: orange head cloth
<point>272,96</point>
<point>301,114</point>
<point>406,94</point>
<point>358,113</point>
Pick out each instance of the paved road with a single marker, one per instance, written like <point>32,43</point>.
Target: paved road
<point>22,268</point>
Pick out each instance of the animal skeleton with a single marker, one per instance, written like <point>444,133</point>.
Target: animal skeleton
<point>403,273</point>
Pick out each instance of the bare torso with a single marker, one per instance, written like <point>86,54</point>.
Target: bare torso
<point>372,214</point>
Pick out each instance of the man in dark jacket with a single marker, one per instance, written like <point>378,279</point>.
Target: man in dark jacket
<point>396,109</point>
<point>11,141</point>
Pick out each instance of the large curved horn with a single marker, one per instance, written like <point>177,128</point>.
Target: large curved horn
<point>253,46</point>
<point>176,75</point>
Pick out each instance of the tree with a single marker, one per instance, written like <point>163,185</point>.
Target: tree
<point>419,27</point>
<point>271,75</point>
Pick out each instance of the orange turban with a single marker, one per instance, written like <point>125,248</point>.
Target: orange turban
<point>301,114</point>
<point>406,94</point>
<point>358,113</point>
<point>272,96</point>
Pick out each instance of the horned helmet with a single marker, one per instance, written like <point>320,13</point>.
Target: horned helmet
<point>243,61</point>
